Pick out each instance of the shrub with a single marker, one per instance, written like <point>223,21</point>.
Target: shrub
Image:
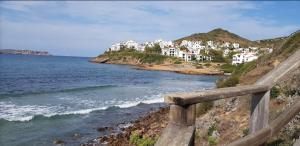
<point>246,131</point>
<point>207,64</point>
<point>211,129</point>
<point>177,62</point>
<point>212,141</point>
<point>274,92</point>
<point>202,108</point>
<point>137,140</point>
<point>229,82</point>
<point>153,50</point>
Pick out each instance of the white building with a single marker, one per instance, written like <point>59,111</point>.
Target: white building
<point>131,44</point>
<point>115,47</point>
<point>243,57</point>
<point>235,45</point>
<point>172,51</point>
<point>226,52</point>
<point>226,45</point>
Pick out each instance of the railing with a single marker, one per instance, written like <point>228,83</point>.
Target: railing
<point>181,128</point>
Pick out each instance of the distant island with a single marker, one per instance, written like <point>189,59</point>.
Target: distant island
<point>24,52</point>
<point>212,53</point>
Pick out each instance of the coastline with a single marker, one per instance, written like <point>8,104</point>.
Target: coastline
<point>184,68</point>
<point>151,126</point>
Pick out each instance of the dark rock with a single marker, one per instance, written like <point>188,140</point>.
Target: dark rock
<point>58,142</point>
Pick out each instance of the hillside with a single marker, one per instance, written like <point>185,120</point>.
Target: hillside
<point>219,35</point>
<point>234,112</point>
<point>285,48</point>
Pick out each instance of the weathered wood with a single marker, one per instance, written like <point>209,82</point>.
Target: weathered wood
<point>177,135</point>
<point>182,115</point>
<point>214,94</point>
<point>259,115</point>
<point>284,118</point>
<point>254,139</point>
<point>262,135</point>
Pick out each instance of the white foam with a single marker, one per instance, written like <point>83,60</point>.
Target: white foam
<point>12,112</point>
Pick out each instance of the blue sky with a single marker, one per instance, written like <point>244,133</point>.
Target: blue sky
<point>76,28</point>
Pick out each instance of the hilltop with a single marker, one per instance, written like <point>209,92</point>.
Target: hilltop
<point>219,35</point>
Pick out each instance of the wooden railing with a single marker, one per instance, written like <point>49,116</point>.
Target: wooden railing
<point>181,128</point>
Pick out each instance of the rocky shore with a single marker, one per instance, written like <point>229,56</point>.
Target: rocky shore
<point>149,126</point>
<point>183,68</point>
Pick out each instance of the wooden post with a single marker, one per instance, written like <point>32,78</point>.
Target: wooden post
<point>183,115</point>
<point>259,111</point>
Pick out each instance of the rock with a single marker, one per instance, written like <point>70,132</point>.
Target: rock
<point>58,142</point>
<point>76,135</point>
<point>215,134</point>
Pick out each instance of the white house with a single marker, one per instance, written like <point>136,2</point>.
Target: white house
<point>185,55</point>
<point>243,57</point>
<point>226,52</point>
<point>235,45</point>
<point>115,47</point>
<point>172,51</point>
<point>131,44</point>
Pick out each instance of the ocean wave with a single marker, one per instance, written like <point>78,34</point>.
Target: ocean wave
<point>88,88</point>
<point>31,112</point>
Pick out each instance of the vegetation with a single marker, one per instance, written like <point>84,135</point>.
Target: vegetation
<point>211,139</point>
<point>219,35</point>
<point>202,108</point>
<point>137,140</point>
<point>151,57</point>
<point>217,55</point>
<point>237,71</point>
<point>153,50</point>
<point>274,92</point>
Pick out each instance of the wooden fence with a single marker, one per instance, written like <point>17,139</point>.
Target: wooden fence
<point>181,128</point>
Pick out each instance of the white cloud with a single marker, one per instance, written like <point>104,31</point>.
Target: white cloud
<point>88,28</point>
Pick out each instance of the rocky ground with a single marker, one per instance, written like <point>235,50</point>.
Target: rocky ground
<point>168,65</point>
<point>149,126</point>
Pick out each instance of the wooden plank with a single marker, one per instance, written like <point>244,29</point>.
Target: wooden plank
<point>214,94</point>
<point>262,135</point>
<point>285,118</point>
<point>177,135</point>
<point>259,115</point>
<point>183,115</point>
<point>254,139</point>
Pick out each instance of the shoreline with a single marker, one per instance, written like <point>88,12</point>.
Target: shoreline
<point>151,125</point>
<point>184,68</point>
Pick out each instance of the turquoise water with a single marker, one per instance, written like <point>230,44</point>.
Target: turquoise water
<point>43,98</point>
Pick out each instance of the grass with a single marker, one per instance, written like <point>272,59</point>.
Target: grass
<point>138,140</point>
<point>151,58</point>
<point>204,107</point>
<point>237,71</point>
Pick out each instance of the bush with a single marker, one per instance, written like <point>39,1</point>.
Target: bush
<point>212,141</point>
<point>177,62</point>
<point>246,131</point>
<point>229,82</point>
<point>137,140</point>
<point>202,108</point>
<point>207,64</point>
<point>274,92</point>
<point>228,68</point>
<point>153,50</point>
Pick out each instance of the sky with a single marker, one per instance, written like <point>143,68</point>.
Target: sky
<point>77,28</point>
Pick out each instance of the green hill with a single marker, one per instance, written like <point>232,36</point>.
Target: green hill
<point>219,35</point>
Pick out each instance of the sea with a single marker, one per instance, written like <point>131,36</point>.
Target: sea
<point>49,98</point>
